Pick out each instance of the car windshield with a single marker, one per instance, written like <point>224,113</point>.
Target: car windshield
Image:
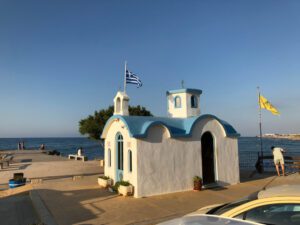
<point>226,207</point>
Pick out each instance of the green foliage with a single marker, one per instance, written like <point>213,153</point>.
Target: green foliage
<point>104,177</point>
<point>197,178</point>
<point>93,125</point>
<point>117,185</point>
<point>138,111</point>
<point>123,183</point>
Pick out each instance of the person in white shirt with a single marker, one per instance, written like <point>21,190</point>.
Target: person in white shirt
<point>79,151</point>
<point>278,159</point>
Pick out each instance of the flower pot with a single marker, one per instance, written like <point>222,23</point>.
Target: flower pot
<point>104,182</point>
<point>125,190</point>
<point>198,185</point>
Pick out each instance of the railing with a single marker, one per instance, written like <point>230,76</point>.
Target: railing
<point>252,161</point>
<point>247,160</point>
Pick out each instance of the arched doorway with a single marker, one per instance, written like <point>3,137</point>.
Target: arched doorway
<point>208,164</point>
<point>120,157</point>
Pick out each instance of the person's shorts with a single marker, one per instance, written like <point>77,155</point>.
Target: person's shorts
<point>277,161</point>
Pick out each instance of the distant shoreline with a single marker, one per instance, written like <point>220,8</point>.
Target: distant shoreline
<point>295,137</point>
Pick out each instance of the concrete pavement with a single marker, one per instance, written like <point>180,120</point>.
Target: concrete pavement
<point>36,165</point>
<point>84,202</point>
<point>17,210</point>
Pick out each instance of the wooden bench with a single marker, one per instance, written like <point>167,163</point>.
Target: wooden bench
<point>6,159</point>
<point>78,157</point>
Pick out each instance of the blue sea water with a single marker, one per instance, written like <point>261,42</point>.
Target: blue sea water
<point>92,149</point>
<point>252,144</point>
<point>248,146</point>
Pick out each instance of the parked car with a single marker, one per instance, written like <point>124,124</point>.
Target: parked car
<point>207,220</point>
<point>274,206</point>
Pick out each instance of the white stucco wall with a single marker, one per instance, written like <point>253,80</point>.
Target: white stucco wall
<point>226,151</point>
<point>186,109</point>
<point>177,112</point>
<point>165,164</point>
<point>121,104</point>
<point>168,165</point>
<point>192,111</point>
<point>117,126</point>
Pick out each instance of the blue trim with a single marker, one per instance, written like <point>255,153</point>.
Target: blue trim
<point>175,105</point>
<point>185,90</point>
<point>229,130</point>
<point>119,171</point>
<point>138,126</point>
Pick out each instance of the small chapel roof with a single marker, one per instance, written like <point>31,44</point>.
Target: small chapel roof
<point>178,127</point>
<point>185,90</point>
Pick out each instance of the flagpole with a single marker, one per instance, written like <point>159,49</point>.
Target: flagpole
<point>260,130</point>
<point>125,77</point>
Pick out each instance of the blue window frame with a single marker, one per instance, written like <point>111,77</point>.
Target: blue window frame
<point>194,101</point>
<point>120,151</point>
<point>177,102</point>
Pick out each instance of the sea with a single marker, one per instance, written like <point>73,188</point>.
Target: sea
<point>248,147</point>
<point>92,149</point>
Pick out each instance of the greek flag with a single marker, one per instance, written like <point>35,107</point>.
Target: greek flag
<point>131,78</point>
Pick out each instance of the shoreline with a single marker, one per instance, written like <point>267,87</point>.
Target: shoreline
<point>295,137</point>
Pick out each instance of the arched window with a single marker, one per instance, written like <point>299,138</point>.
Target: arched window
<point>120,151</point>
<point>109,157</point>
<point>118,105</point>
<point>130,160</point>
<point>194,101</point>
<point>177,102</point>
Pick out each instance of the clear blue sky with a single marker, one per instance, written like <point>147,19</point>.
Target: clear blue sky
<point>60,60</point>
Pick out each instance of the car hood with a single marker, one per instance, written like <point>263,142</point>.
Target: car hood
<point>205,209</point>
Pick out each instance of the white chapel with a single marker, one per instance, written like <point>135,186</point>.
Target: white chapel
<point>160,155</point>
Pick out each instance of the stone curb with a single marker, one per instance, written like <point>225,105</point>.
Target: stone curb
<point>42,211</point>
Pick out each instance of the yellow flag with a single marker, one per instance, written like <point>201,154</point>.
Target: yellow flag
<point>265,104</point>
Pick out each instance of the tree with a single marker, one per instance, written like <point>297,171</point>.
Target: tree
<point>93,125</point>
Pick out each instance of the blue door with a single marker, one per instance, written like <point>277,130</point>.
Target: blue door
<point>120,157</point>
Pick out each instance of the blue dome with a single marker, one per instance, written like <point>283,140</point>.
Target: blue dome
<point>178,127</point>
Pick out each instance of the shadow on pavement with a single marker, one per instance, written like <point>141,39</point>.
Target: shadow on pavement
<point>248,175</point>
<point>76,206</point>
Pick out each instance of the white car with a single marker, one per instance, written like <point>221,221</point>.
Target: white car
<point>207,220</point>
<point>278,205</point>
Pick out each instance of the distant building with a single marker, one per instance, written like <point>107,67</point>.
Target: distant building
<point>160,155</point>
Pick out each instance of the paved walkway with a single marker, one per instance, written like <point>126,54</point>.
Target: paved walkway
<point>83,202</point>
<point>34,164</point>
<point>17,210</point>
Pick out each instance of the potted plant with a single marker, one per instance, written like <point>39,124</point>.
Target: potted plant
<point>124,188</point>
<point>104,181</point>
<point>197,183</point>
